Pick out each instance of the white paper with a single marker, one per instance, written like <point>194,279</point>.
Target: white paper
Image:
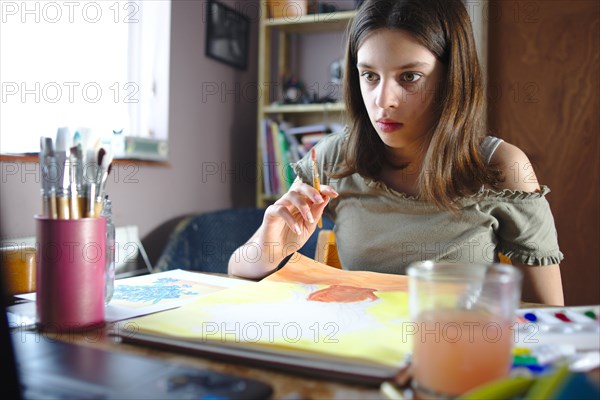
<point>141,295</point>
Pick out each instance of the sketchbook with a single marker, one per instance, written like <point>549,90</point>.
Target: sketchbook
<point>306,318</point>
<point>141,295</point>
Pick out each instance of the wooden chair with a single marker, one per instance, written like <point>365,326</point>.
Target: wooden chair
<point>17,267</point>
<point>326,251</point>
<point>204,242</point>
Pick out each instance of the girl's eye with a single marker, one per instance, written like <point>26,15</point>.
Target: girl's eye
<point>410,77</point>
<point>369,76</point>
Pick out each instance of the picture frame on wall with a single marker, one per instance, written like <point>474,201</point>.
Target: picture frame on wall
<point>227,35</point>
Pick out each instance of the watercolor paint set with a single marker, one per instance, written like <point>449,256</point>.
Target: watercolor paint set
<point>577,325</point>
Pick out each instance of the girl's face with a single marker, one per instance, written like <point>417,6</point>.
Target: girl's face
<point>399,80</point>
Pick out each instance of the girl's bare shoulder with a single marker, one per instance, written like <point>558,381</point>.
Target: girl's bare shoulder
<point>516,168</point>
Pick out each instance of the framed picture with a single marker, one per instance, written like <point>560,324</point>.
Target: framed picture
<point>227,35</point>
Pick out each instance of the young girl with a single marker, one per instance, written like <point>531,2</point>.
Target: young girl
<point>414,177</point>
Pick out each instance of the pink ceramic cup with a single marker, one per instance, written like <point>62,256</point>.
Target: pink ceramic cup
<point>70,273</point>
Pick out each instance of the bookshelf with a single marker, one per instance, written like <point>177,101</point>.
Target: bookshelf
<point>273,60</point>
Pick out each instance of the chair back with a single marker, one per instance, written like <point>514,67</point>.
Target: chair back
<point>205,242</point>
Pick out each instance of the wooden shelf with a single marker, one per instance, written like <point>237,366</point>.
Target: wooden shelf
<point>334,21</point>
<point>277,46</point>
<point>33,159</point>
<point>302,108</point>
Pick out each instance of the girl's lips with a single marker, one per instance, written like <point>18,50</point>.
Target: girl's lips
<point>389,126</point>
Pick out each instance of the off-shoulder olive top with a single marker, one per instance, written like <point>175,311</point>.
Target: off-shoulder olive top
<point>379,229</point>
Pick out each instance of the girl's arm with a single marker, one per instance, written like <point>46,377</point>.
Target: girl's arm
<point>541,284</point>
<point>286,226</point>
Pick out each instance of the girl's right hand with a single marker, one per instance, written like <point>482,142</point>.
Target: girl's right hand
<point>292,219</point>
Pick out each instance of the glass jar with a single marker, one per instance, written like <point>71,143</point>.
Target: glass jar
<point>110,250</point>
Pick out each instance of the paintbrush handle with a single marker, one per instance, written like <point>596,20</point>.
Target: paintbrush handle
<point>317,186</point>
<point>49,206</point>
<point>98,207</point>
<point>45,205</point>
<point>53,213</point>
<point>81,200</point>
<point>63,207</point>
<point>91,200</point>
<point>74,206</point>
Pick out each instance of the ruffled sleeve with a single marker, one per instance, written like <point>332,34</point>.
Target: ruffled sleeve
<point>526,230</point>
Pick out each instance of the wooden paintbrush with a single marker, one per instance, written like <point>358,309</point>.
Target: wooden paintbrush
<point>316,179</point>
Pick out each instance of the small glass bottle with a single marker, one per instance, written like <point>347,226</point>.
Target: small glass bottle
<point>110,250</point>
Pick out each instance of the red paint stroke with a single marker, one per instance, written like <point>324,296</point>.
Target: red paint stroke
<point>343,294</point>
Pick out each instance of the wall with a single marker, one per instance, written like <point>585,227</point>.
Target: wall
<point>207,132</point>
<point>544,65</point>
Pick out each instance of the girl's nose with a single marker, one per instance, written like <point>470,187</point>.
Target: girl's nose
<point>388,95</point>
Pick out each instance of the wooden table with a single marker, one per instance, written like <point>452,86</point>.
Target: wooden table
<point>286,386</point>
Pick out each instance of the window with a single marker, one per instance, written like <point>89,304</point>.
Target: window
<point>102,65</point>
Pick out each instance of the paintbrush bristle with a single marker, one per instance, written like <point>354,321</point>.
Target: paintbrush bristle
<point>90,158</point>
<point>77,138</point>
<point>313,154</point>
<point>107,160</point>
<point>77,150</point>
<point>49,146</point>
<point>63,139</point>
<point>101,153</point>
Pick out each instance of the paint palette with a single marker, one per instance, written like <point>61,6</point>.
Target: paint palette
<point>578,326</point>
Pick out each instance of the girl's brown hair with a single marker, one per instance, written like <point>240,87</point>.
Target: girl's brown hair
<point>453,165</point>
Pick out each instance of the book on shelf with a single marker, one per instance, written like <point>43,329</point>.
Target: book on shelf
<point>278,174</point>
<point>281,161</point>
<point>288,158</point>
<point>306,318</point>
<point>304,137</point>
<point>265,170</point>
<point>297,151</point>
<point>309,140</point>
<point>272,166</point>
<point>283,145</point>
<point>306,129</point>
